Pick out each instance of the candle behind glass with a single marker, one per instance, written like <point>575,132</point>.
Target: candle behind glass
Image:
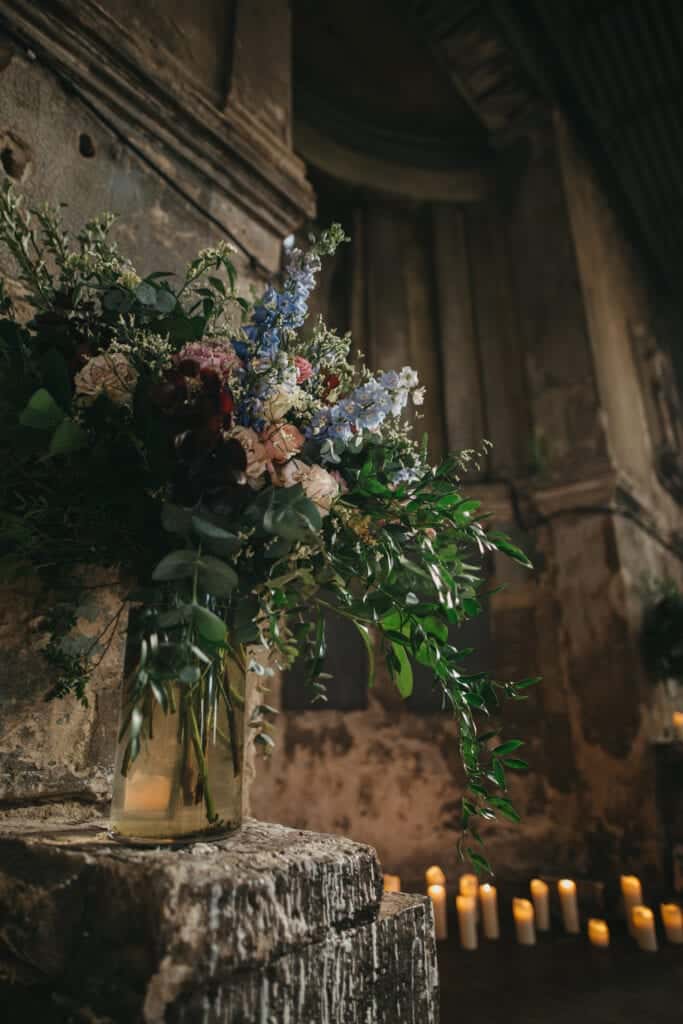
<point>469,886</point>
<point>644,928</point>
<point>632,896</point>
<point>598,933</point>
<point>541,898</point>
<point>437,894</point>
<point>672,919</point>
<point>488,896</point>
<point>523,913</point>
<point>434,876</point>
<point>467,921</point>
<point>570,909</point>
<point>392,883</point>
<point>677,722</point>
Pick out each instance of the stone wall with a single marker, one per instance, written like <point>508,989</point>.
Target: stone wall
<point>534,297</point>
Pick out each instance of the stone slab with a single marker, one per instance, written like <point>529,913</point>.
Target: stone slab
<point>269,924</point>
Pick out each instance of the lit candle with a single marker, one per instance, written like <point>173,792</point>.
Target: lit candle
<point>672,919</point>
<point>488,897</point>
<point>644,928</point>
<point>392,883</point>
<point>469,886</point>
<point>541,898</point>
<point>147,793</point>
<point>467,921</point>
<point>677,722</point>
<point>632,896</point>
<point>437,894</point>
<point>435,876</point>
<point>598,933</point>
<point>570,910</point>
<point>523,913</point>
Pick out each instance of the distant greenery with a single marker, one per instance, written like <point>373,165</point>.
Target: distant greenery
<point>248,476</point>
<point>662,630</point>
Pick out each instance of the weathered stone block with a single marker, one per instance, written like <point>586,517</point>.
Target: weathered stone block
<point>270,924</point>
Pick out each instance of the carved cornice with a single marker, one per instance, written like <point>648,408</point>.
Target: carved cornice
<point>170,121</point>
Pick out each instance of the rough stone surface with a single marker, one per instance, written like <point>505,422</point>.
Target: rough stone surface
<point>239,930</point>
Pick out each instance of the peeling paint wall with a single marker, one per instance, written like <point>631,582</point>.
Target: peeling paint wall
<point>549,289</point>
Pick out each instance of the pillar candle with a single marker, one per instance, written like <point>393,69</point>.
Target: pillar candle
<point>392,883</point>
<point>540,896</point>
<point>570,910</point>
<point>488,897</point>
<point>632,896</point>
<point>598,933</point>
<point>467,921</point>
<point>469,886</point>
<point>644,928</point>
<point>672,919</point>
<point>677,722</point>
<point>437,894</point>
<point>523,913</point>
<point>435,876</point>
<point>147,793</point>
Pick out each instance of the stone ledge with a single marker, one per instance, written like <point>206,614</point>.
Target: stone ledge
<point>268,917</point>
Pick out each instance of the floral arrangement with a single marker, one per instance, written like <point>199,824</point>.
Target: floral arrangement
<point>244,471</point>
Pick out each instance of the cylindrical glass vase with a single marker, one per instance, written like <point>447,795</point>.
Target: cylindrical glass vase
<point>186,781</point>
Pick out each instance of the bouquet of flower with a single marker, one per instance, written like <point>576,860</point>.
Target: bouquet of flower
<point>245,472</point>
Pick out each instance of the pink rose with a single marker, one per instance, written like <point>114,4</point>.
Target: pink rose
<point>281,441</point>
<point>304,370</point>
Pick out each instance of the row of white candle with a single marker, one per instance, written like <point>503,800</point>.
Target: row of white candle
<point>534,914</point>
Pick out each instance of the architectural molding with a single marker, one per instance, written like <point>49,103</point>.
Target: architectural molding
<point>164,114</point>
<point>461,185</point>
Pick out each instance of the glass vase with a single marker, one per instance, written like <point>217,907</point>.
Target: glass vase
<point>186,781</point>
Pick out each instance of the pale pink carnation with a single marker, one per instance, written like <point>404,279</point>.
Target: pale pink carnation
<point>304,370</point>
<point>110,374</point>
<point>217,356</point>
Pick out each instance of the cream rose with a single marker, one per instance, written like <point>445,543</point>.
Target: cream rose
<point>281,441</point>
<point>257,458</point>
<point>279,402</point>
<point>321,487</point>
<point>110,374</point>
<point>293,472</point>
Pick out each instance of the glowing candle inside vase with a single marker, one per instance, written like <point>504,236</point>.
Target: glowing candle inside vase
<point>147,793</point>
<point>467,921</point>
<point>632,896</point>
<point>672,919</point>
<point>570,908</point>
<point>541,897</point>
<point>644,928</point>
<point>392,883</point>
<point>488,897</point>
<point>435,876</point>
<point>677,722</point>
<point>598,933</point>
<point>437,894</point>
<point>523,913</point>
<point>469,886</point>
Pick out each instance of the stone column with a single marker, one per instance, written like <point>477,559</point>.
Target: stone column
<point>271,925</point>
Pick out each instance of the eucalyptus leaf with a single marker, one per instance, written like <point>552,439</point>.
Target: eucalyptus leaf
<point>41,412</point>
<point>178,565</point>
